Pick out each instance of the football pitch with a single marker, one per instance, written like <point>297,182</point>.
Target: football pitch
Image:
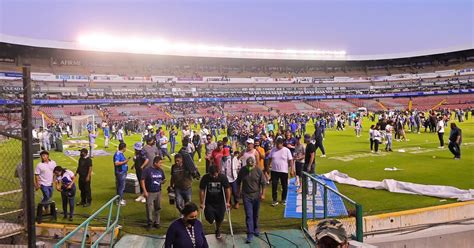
<point>420,161</point>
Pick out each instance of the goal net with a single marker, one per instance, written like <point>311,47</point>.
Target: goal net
<point>80,124</point>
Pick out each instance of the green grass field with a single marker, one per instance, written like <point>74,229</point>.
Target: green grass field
<point>430,166</point>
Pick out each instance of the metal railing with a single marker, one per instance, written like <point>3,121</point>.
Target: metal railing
<point>359,233</point>
<point>110,225</point>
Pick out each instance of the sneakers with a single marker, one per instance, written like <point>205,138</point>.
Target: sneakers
<point>156,225</point>
<point>199,160</point>
<point>123,202</point>
<point>143,200</point>
<point>274,204</point>
<point>284,203</point>
<point>218,234</point>
<point>441,147</point>
<point>140,198</point>
<point>248,240</point>
<point>323,156</point>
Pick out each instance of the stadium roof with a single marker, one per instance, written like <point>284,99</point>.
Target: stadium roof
<point>222,52</point>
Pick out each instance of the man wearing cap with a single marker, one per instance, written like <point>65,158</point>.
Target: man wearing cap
<point>44,176</point>
<point>84,170</point>
<point>253,181</point>
<point>330,233</point>
<point>250,152</point>
<point>140,161</point>
<point>281,161</point>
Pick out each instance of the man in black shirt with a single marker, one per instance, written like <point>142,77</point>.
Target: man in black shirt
<point>309,155</point>
<point>455,139</point>
<point>318,137</point>
<point>212,186</point>
<point>84,170</point>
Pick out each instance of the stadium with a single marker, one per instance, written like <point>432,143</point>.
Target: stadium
<point>63,97</point>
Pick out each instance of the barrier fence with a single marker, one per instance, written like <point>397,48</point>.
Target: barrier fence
<point>85,225</point>
<point>332,202</point>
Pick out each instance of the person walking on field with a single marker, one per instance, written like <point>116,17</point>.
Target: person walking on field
<point>281,160</point>
<point>152,179</point>
<point>84,170</point>
<point>181,181</point>
<point>440,130</point>
<point>251,188</point>
<point>455,140</point>
<point>140,161</point>
<point>120,168</point>
<point>213,187</point>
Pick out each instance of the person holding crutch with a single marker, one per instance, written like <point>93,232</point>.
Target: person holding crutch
<point>213,201</point>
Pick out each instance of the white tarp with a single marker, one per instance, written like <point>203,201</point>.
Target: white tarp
<point>404,187</point>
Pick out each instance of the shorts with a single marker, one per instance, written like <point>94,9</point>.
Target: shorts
<point>299,168</point>
<point>214,213</point>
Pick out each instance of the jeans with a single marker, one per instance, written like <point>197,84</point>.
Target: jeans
<point>47,193</point>
<point>183,196</point>
<point>389,142</point>
<point>233,188</point>
<point>164,152</point>
<point>67,197</point>
<point>283,177</point>
<point>251,207</point>
<point>153,207</point>
<point>120,183</point>
<point>455,149</point>
<point>46,145</point>
<point>173,145</point>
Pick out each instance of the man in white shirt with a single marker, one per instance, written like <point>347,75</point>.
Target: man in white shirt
<point>281,161</point>
<point>440,130</point>
<point>44,176</point>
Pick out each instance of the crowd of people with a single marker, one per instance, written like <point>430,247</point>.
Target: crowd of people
<point>243,156</point>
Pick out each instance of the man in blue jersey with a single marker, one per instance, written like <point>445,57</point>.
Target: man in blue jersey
<point>121,168</point>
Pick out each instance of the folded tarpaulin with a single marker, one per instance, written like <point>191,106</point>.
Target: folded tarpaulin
<point>404,187</point>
